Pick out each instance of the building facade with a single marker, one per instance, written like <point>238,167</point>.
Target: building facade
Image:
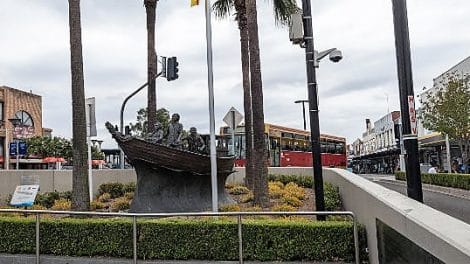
<point>436,148</point>
<point>26,108</point>
<point>379,148</point>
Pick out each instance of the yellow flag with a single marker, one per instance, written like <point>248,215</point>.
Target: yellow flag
<point>194,3</point>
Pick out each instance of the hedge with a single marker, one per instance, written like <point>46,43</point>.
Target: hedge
<point>454,180</point>
<point>331,192</point>
<point>263,240</point>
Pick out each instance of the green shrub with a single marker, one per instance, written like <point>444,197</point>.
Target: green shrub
<point>47,199</point>
<point>454,180</point>
<point>115,189</point>
<point>230,208</point>
<point>120,204</point>
<point>249,197</point>
<point>129,187</point>
<point>271,240</point>
<point>332,197</point>
<point>62,205</point>
<point>292,189</point>
<point>239,190</point>
<point>105,197</point>
<point>303,181</point>
<point>129,195</point>
<point>291,200</point>
<point>275,190</point>
<point>96,205</point>
<point>331,193</point>
<point>284,208</point>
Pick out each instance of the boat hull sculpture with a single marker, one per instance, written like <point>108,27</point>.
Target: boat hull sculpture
<point>170,179</point>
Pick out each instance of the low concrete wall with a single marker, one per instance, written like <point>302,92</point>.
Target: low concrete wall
<point>59,180</point>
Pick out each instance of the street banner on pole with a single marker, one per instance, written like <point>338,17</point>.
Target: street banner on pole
<point>412,113</point>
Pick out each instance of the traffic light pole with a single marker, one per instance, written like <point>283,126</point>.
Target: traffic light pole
<point>408,115</point>
<point>313,107</point>
<point>121,125</point>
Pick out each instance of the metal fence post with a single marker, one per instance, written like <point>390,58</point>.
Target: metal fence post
<point>356,239</point>
<point>240,239</point>
<point>37,238</point>
<point>134,238</point>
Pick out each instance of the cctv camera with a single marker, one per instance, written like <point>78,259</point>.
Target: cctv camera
<point>336,55</point>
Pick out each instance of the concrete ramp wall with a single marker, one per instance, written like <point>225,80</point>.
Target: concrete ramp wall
<point>443,236</point>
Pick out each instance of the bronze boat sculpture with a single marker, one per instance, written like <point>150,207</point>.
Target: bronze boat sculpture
<point>171,179</point>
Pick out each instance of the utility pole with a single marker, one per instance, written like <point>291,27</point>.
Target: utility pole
<point>408,114</point>
<point>313,107</point>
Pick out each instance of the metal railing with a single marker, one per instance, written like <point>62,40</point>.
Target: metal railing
<point>134,217</point>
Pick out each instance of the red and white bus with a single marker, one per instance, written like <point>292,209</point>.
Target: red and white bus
<point>290,147</point>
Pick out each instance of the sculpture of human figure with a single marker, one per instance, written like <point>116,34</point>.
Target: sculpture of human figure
<point>195,141</point>
<point>174,132</point>
<point>157,135</point>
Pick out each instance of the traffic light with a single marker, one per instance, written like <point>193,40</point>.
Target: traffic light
<point>171,69</point>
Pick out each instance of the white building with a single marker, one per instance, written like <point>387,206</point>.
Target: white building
<point>460,70</point>
<point>387,132</point>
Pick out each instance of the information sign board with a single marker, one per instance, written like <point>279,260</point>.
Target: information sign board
<point>24,195</point>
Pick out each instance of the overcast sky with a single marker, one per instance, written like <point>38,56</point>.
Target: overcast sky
<point>34,55</point>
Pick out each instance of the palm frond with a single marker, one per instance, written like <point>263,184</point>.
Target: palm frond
<point>283,9</point>
<point>222,8</point>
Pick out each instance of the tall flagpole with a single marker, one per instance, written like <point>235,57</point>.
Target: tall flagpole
<point>210,82</point>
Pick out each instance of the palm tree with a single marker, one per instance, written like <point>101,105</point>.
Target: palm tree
<point>150,9</point>
<point>80,192</point>
<point>282,11</point>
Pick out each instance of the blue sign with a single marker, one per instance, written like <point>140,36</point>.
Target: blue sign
<point>22,148</point>
<point>13,149</point>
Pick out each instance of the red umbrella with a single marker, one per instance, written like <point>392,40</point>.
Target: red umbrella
<point>49,159</point>
<point>97,162</point>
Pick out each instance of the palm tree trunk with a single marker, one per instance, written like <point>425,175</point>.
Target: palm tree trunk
<point>150,8</point>
<point>245,58</point>
<point>260,168</point>
<point>80,192</point>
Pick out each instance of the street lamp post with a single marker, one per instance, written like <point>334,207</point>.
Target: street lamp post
<point>312,59</point>
<point>303,111</point>
<point>16,122</point>
<point>408,114</point>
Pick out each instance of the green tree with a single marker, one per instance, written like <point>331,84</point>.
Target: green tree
<point>448,111</point>
<point>80,193</point>
<point>96,154</point>
<point>49,147</point>
<point>282,12</point>
<point>150,9</point>
<point>140,127</point>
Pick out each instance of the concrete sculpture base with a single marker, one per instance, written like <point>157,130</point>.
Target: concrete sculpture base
<point>160,190</point>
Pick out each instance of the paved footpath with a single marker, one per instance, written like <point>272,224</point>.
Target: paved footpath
<point>27,259</point>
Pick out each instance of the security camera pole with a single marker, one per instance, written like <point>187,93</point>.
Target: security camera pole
<point>313,107</point>
<point>408,114</point>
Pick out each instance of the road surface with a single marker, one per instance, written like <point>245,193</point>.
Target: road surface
<point>450,201</point>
